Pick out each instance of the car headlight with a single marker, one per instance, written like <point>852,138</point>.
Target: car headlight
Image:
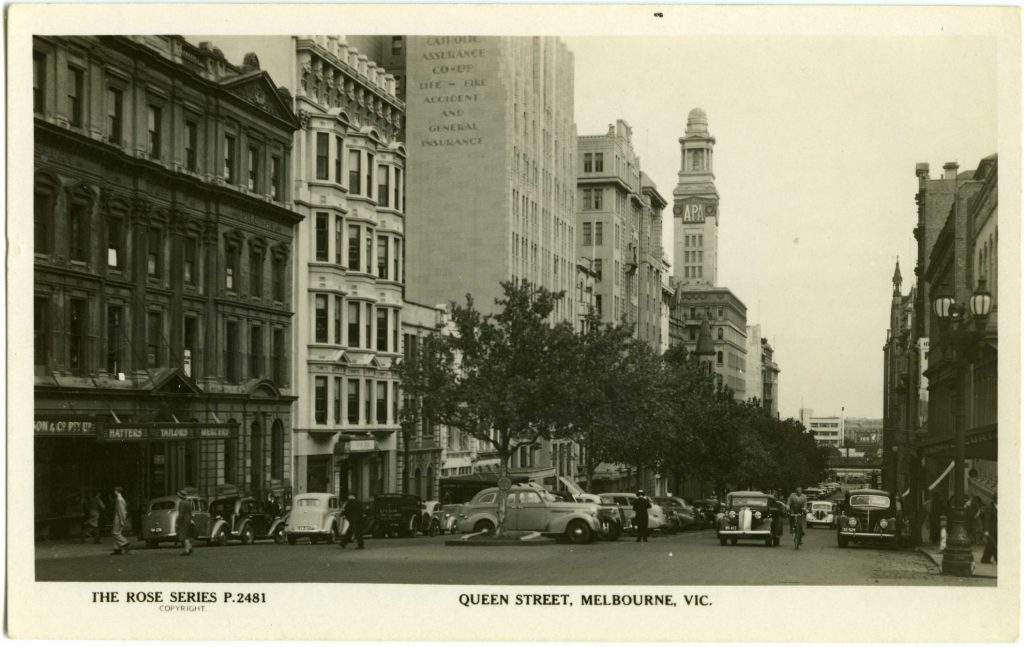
<point>757,515</point>
<point>883,524</point>
<point>853,522</point>
<point>732,513</point>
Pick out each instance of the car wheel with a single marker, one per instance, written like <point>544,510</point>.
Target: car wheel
<point>776,540</point>
<point>733,541</point>
<point>291,540</point>
<point>579,532</point>
<point>769,541</point>
<point>378,532</point>
<point>332,536</point>
<point>279,535</point>
<point>150,543</point>
<point>485,526</point>
<point>722,540</point>
<point>247,535</point>
<point>435,528</point>
<point>843,542</point>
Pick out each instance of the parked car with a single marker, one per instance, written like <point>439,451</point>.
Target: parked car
<point>710,510</point>
<point>395,515</point>
<point>158,522</point>
<point>245,519</point>
<point>750,515</point>
<point>870,516</point>
<point>610,518</point>
<point>821,513</point>
<point>314,516</point>
<point>679,512</point>
<point>531,508</point>
<point>431,518</point>
<point>449,516</point>
<point>624,500</point>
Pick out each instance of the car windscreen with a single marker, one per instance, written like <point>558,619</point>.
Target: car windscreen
<point>485,498</point>
<point>821,506</point>
<point>162,505</point>
<point>307,503</point>
<point>748,501</point>
<point>222,508</point>
<point>869,500</point>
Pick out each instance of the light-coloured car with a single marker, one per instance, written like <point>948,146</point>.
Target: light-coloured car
<point>161,515</point>
<point>314,515</point>
<point>821,513</point>
<point>655,515</point>
<point>531,508</point>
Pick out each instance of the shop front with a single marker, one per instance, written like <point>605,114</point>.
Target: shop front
<point>363,467</point>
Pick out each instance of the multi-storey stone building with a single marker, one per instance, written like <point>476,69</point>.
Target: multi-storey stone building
<point>619,229</point>
<point>163,239</point>
<point>727,317</point>
<point>762,375</point>
<point>349,167</point>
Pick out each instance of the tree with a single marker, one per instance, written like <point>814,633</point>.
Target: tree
<point>503,378</point>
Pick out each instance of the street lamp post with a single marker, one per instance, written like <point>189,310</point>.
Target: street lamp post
<point>958,558</point>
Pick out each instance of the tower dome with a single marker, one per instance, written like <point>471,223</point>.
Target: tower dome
<point>697,122</point>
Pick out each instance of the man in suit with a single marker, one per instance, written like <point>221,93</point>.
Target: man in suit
<point>121,544</point>
<point>991,519</point>
<point>641,504</point>
<point>183,522</point>
<point>354,514</point>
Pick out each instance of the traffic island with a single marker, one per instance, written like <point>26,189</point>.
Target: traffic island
<point>517,538</point>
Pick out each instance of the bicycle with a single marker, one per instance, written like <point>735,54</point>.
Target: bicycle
<point>797,529</point>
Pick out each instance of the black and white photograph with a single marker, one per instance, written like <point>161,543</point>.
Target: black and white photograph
<point>514,311</point>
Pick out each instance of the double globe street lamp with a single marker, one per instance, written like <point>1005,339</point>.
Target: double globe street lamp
<point>961,339</point>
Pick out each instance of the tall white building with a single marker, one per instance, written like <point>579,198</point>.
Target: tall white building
<point>827,430</point>
<point>349,165</point>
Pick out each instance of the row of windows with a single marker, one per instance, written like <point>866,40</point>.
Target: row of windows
<point>358,175</point>
<point>65,335</point>
<point>693,257</point>
<point>358,321</point>
<point>356,248</point>
<point>693,272</point>
<point>693,240</point>
<point>79,223</point>
<point>592,199</point>
<point>593,162</point>
<point>339,399</point>
<point>263,172</point>
<point>597,239</point>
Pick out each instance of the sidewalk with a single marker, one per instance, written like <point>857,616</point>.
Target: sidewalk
<point>64,548</point>
<point>980,570</point>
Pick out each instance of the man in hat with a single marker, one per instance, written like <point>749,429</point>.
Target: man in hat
<point>120,523</point>
<point>641,504</point>
<point>354,514</point>
<point>183,522</point>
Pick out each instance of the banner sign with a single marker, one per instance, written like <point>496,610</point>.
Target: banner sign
<point>158,431</point>
<point>65,428</point>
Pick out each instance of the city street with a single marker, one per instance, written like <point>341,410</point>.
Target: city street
<point>686,558</point>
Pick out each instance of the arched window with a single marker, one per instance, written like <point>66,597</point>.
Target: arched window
<point>719,358</point>
<point>255,459</point>
<point>418,481</point>
<point>231,456</point>
<point>79,225</point>
<point>721,334</point>
<point>277,451</point>
<point>430,484</point>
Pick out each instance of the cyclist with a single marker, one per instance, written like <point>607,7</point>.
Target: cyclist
<point>797,503</point>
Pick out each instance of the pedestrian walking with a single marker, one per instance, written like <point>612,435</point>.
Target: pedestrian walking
<point>183,522</point>
<point>93,507</point>
<point>943,522</point>
<point>641,504</point>
<point>991,532</point>
<point>120,523</point>
<point>977,520</point>
<point>354,514</point>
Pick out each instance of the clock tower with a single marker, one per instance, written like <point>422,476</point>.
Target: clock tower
<point>695,206</point>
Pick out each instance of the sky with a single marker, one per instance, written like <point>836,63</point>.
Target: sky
<point>816,143</point>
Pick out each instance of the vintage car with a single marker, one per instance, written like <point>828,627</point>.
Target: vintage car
<point>821,513</point>
<point>314,516</point>
<point>679,513</point>
<point>395,515</point>
<point>449,516</point>
<point>531,508</point>
<point>624,500</point>
<point>245,519</point>
<point>611,518</point>
<point>159,520</point>
<point>869,516</point>
<point>750,515</point>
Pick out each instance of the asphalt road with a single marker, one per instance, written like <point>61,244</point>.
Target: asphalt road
<point>683,559</point>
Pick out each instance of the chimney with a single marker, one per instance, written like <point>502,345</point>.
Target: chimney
<point>921,170</point>
<point>949,170</point>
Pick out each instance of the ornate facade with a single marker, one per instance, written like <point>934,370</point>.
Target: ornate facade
<point>162,282</point>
